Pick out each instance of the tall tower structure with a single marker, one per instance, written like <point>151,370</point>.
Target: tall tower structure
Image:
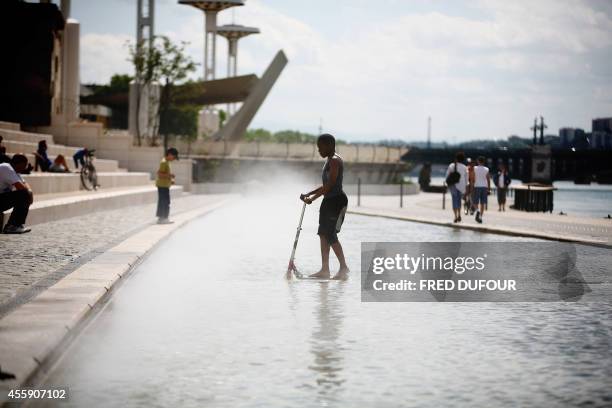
<point>143,100</point>
<point>535,128</point>
<point>210,9</point>
<point>145,22</point>
<point>233,33</point>
<point>542,127</point>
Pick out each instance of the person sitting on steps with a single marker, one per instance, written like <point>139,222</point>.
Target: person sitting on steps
<point>43,162</point>
<point>15,193</point>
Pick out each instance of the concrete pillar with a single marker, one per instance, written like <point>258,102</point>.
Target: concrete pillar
<point>148,118</point>
<point>65,7</point>
<point>210,44</point>
<point>208,122</point>
<point>72,80</point>
<point>66,96</point>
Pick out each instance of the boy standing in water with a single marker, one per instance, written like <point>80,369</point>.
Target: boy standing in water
<point>164,181</point>
<point>333,207</point>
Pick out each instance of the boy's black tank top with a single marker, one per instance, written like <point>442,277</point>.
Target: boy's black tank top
<point>336,189</point>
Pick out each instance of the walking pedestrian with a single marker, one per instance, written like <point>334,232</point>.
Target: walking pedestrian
<point>456,180</point>
<point>482,187</point>
<point>469,189</point>
<point>502,181</point>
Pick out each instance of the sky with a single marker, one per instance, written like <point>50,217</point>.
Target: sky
<point>366,71</point>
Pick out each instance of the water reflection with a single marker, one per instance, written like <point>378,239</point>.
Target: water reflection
<point>324,343</point>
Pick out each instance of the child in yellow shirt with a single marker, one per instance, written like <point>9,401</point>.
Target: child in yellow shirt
<point>164,180</point>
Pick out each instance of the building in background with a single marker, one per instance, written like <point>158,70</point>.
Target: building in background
<point>572,137</point>
<point>32,83</point>
<point>601,134</point>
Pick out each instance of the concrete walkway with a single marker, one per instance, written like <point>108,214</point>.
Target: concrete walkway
<point>32,336</point>
<point>33,262</point>
<point>427,208</point>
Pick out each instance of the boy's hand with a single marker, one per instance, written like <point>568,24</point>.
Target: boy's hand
<point>305,199</point>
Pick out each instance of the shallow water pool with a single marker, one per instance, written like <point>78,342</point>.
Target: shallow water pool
<point>208,320</point>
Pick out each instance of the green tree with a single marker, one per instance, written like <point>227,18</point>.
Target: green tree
<point>174,68</point>
<point>159,61</point>
<point>260,135</point>
<point>222,117</point>
<point>119,83</point>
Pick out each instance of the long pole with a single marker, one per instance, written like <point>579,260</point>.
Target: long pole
<point>291,267</point>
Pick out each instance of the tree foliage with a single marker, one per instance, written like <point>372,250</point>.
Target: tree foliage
<point>160,61</point>
<point>282,136</point>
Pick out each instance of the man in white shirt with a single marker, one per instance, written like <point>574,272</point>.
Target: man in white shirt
<point>457,185</point>
<point>15,193</point>
<point>482,187</point>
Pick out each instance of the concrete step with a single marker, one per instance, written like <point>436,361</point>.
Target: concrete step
<point>21,136</point>
<point>102,165</point>
<point>10,125</point>
<point>27,147</point>
<point>47,183</point>
<point>117,179</point>
<point>52,207</point>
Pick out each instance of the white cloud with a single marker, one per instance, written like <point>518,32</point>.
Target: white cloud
<point>477,74</point>
<point>103,55</point>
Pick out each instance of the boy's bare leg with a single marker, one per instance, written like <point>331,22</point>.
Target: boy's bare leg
<point>324,272</point>
<point>344,270</point>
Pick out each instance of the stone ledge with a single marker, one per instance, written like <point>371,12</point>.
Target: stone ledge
<point>485,228</point>
<point>33,336</point>
<point>59,206</point>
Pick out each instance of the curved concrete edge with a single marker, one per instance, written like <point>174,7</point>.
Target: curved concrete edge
<point>516,232</point>
<point>33,336</point>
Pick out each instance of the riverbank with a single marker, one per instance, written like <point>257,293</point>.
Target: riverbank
<point>427,208</point>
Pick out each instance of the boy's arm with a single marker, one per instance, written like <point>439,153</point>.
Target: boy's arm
<point>316,190</point>
<point>489,181</point>
<point>306,197</point>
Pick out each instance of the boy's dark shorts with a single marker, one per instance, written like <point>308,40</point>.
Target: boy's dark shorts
<point>331,217</point>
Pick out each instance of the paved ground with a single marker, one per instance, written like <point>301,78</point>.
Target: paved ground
<point>427,207</point>
<point>33,262</point>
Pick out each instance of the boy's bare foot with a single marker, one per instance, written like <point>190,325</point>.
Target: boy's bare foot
<point>342,274</point>
<point>322,274</point>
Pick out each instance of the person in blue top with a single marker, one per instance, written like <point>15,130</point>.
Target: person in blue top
<point>58,165</point>
<point>333,207</point>
<point>79,157</point>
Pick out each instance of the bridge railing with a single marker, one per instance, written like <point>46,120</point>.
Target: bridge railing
<point>289,151</point>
